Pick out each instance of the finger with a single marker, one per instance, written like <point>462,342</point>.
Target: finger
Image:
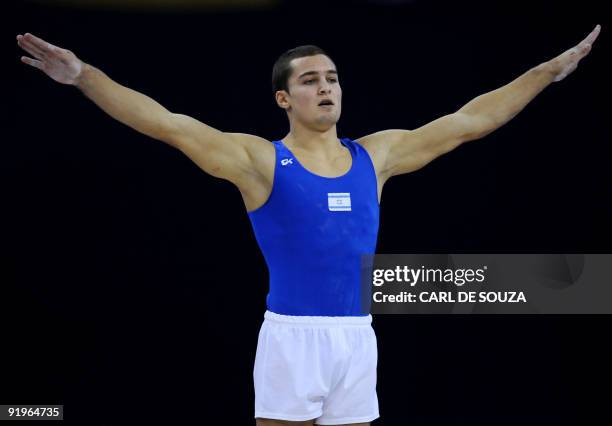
<point>31,49</point>
<point>592,36</point>
<point>39,43</point>
<point>32,62</point>
<point>584,50</point>
<point>21,40</point>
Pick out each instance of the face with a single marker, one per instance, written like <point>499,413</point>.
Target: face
<point>315,96</point>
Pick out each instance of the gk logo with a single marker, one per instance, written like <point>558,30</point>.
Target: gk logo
<point>286,161</point>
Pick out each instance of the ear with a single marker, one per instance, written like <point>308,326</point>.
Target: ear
<point>282,99</point>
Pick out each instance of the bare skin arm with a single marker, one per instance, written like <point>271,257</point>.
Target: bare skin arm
<point>231,156</point>
<point>402,151</point>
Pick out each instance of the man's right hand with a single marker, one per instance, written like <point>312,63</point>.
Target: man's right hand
<point>60,64</point>
<point>245,160</point>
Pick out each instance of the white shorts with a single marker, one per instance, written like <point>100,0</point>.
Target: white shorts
<point>311,367</point>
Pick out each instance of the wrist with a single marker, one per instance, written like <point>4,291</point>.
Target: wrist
<point>548,70</point>
<point>81,78</point>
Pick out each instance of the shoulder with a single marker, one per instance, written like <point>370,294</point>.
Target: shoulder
<point>262,156</point>
<point>251,142</point>
<point>378,146</point>
<point>382,139</point>
<point>257,148</point>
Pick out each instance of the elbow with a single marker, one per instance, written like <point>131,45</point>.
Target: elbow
<point>169,130</point>
<point>476,126</point>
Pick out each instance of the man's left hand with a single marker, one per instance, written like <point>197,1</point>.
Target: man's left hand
<point>566,63</point>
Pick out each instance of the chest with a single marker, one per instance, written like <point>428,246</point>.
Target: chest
<point>331,167</point>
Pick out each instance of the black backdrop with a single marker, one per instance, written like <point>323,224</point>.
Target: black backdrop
<point>132,288</point>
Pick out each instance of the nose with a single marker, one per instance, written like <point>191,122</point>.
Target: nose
<point>324,88</point>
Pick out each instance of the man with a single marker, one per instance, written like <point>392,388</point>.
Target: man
<point>313,202</point>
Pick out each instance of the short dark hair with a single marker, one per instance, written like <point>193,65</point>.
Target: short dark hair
<point>282,67</point>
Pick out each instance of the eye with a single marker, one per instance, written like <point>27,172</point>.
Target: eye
<point>309,81</point>
<point>332,80</point>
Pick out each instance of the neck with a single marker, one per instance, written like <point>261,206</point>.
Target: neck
<point>312,140</point>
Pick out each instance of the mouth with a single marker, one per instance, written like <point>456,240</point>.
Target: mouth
<point>326,102</point>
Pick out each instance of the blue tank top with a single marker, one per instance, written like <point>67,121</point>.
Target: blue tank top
<point>312,231</point>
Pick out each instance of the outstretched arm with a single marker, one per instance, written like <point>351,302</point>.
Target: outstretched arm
<point>224,155</point>
<point>402,151</point>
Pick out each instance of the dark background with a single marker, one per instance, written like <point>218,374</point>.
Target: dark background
<point>132,289</point>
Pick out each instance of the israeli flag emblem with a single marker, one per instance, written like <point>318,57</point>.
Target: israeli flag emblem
<point>339,201</point>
